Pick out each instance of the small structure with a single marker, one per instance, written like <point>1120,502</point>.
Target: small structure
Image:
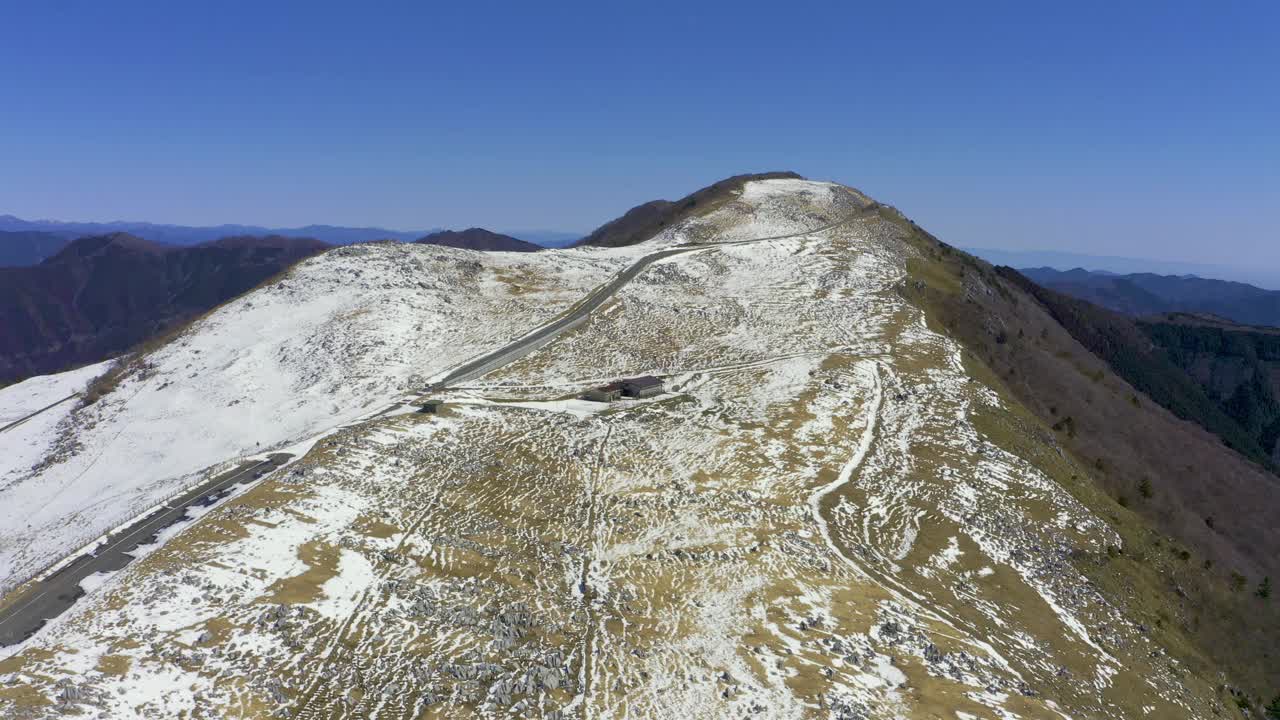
<point>431,407</point>
<point>604,393</point>
<point>641,387</point>
<point>638,387</point>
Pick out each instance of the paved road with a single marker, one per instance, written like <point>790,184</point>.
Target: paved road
<point>25,418</point>
<point>46,599</point>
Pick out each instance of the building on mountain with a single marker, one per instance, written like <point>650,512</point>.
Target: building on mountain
<point>642,387</point>
<point>638,387</point>
<point>604,393</point>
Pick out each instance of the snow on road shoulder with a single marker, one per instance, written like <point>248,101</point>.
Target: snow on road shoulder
<point>23,446</point>
<point>22,399</point>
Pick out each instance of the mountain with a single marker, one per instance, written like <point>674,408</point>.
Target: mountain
<point>1149,294</point>
<point>189,235</point>
<point>646,220</point>
<point>477,239</point>
<point>100,295</point>
<point>879,478</point>
<point>27,247</point>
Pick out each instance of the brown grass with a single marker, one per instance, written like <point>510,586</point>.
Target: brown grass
<point>116,665</point>
<point>23,696</point>
<point>321,560</point>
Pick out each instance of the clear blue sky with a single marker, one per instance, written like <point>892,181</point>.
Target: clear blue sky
<point>1148,129</point>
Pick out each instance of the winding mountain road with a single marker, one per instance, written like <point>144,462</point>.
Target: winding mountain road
<point>579,313</point>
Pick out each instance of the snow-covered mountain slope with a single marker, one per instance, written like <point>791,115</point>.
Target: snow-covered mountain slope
<point>30,413</point>
<point>828,513</point>
<point>342,335</point>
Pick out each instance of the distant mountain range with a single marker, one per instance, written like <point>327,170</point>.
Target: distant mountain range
<point>27,242</point>
<point>1142,294</point>
<point>28,247</point>
<point>193,235</point>
<point>1261,276</point>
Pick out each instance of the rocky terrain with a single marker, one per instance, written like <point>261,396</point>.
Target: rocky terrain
<point>834,509</point>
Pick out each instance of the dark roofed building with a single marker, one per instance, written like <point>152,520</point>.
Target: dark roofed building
<point>642,387</point>
<point>638,387</point>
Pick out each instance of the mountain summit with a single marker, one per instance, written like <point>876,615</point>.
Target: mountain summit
<point>477,239</point>
<point>644,221</point>
<point>777,453</point>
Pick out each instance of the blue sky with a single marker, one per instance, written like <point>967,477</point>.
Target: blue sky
<point>1135,128</point>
